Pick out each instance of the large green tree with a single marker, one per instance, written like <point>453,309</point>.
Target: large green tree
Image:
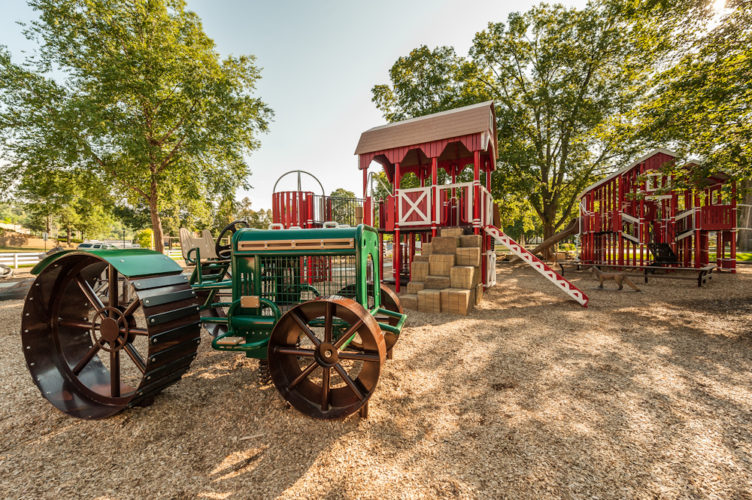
<point>259,219</point>
<point>134,93</point>
<point>64,200</point>
<point>702,104</point>
<point>564,81</point>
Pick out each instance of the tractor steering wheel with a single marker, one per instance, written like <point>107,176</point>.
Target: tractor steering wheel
<point>225,251</point>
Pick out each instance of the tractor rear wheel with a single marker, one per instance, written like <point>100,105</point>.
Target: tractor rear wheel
<point>97,342</point>
<point>326,377</point>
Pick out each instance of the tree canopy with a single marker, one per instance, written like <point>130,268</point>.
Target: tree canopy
<point>580,91</point>
<point>133,94</point>
<point>702,104</point>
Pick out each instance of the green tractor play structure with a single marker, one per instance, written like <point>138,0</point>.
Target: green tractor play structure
<point>105,330</point>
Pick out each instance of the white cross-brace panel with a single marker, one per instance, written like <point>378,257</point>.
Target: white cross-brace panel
<point>415,206</point>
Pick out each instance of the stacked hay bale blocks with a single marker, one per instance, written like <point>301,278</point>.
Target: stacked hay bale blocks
<point>445,276</point>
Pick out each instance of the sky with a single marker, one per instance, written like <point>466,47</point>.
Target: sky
<point>319,61</point>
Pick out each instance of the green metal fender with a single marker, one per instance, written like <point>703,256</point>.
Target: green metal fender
<point>129,262</point>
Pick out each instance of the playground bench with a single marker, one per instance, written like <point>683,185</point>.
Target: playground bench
<point>571,264</point>
<point>704,274</point>
<point>579,266</point>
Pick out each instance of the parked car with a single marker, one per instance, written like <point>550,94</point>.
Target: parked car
<point>94,245</point>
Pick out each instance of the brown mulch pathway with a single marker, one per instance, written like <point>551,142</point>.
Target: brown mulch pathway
<point>640,395</point>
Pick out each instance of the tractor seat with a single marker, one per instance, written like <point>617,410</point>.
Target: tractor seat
<point>205,244</point>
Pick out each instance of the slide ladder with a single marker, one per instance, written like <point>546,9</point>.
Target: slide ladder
<point>538,265</point>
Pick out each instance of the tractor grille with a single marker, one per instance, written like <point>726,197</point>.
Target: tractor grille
<point>288,281</point>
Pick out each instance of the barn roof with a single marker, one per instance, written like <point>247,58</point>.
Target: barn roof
<point>628,168</point>
<point>476,118</point>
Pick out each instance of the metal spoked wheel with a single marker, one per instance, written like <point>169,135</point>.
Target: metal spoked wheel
<point>97,342</point>
<point>389,301</point>
<point>326,377</point>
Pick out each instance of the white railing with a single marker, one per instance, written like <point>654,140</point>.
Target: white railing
<point>414,205</point>
<point>490,257</point>
<point>486,213</point>
<point>684,227</point>
<point>16,260</point>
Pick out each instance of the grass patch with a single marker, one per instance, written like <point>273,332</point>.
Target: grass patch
<point>22,250</point>
<point>740,256</point>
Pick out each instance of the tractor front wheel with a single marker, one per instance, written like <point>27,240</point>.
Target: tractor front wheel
<point>326,376</point>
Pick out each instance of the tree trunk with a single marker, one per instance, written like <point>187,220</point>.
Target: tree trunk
<point>156,225</point>
<point>548,231</point>
<point>68,235</point>
<point>548,219</point>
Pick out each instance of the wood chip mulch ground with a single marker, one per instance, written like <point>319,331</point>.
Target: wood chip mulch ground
<point>640,395</point>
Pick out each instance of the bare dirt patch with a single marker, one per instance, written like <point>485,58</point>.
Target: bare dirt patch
<point>641,394</point>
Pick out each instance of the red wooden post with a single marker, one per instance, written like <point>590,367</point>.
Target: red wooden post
<point>719,250</point>
<point>476,192</point>
<point>290,209</point>
<point>411,254</point>
<point>486,241</point>
<point>609,213</point>
<point>286,210</point>
<point>732,234</point>
<point>619,209</point>
<point>642,221</point>
<point>397,247</point>
<point>310,211</point>
<point>434,193</point>
<point>698,224</point>
<point>674,212</point>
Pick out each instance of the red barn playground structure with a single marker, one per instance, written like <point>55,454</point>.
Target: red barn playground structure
<point>451,141</point>
<point>634,218</point>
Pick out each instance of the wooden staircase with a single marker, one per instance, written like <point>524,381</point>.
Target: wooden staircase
<point>446,276</point>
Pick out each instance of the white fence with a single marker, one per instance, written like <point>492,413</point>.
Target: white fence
<point>16,260</point>
<point>175,253</point>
